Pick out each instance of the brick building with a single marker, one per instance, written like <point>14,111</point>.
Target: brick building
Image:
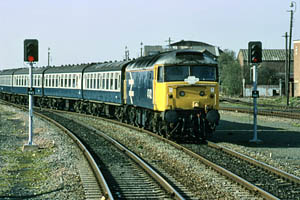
<point>272,58</point>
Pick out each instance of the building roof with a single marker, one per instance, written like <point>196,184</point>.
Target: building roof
<point>268,54</point>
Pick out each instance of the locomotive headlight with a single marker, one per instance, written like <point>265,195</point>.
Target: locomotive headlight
<point>202,93</point>
<point>181,93</point>
<point>212,96</point>
<point>196,104</point>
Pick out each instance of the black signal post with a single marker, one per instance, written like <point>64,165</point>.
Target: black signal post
<point>254,58</point>
<point>31,55</point>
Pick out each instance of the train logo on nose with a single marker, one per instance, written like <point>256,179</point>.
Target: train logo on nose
<point>191,80</point>
<point>131,92</point>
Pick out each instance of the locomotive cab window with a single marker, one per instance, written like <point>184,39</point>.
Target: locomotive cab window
<point>160,74</point>
<point>179,73</point>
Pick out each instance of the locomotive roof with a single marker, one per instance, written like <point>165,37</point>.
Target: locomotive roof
<point>177,57</point>
<point>107,66</point>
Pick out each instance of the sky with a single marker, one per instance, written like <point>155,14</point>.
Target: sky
<point>84,31</point>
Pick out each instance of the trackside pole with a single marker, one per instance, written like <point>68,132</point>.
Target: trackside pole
<point>255,95</point>
<point>30,142</point>
<point>30,145</point>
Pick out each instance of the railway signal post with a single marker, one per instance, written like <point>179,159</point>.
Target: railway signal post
<point>255,57</point>
<point>31,56</point>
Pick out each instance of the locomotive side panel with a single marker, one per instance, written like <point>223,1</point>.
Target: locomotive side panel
<point>139,88</point>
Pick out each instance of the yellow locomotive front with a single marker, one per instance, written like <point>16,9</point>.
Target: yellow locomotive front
<point>186,94</point>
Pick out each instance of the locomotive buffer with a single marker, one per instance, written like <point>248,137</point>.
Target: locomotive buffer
<point>31,56</point>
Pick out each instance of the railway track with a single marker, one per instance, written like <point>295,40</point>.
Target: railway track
<point>258,177</point>
<point>268,181</point>
<point>127,175</point>
<point>269,106</point>
<point>264,112</point>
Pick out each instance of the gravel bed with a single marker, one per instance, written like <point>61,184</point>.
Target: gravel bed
<point>199,179</point>
<point>280,146</point>
<point>51,172</point>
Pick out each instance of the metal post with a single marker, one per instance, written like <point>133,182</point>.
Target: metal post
<point>255,110</point>
<point>280,87</point>
<point>30,141</point>
<point>286,82</point>
<point>293,4</point>
<point>289,60</point>
<point>48,56</point>
<point>141,49</point>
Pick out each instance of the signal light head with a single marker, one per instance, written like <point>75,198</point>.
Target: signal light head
<point>30,58</point>
<point>31,52</point>
<point>255,52</point>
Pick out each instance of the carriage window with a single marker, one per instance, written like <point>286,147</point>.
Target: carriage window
<point>56,80</point>
<point>88,81</point>
<point>50,81</point>
<point>91,81</point>
<point>70,79</point>
<point>107,81</point>
<point>46,81</point>
<point>95,81</point>
<point>76,81</point>
<point>98,81</point>
<point>66,80</point>
<point>111,81</point>
<point>119,81</point>
<point>116,81</point>
<point>73,81</point>
<point>103,81</point>
<point>53,80</point>
<point>62,81</point>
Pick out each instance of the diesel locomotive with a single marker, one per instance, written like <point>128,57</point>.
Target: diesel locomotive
<point>173,93</point>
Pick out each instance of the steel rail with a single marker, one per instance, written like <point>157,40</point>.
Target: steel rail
<point>99,176</point>
<point>274,170</point>
<point>174,194</point>
<point>217,168</point>
<point>263,112</point>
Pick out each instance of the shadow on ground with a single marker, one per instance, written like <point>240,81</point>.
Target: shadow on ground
<point>241,133</point>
